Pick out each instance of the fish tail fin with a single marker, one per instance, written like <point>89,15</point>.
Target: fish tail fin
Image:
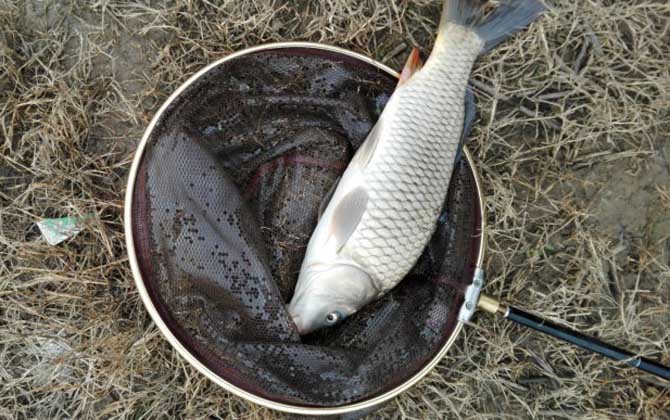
<point>493,27</point>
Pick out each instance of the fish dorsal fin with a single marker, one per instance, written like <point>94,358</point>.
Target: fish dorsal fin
<point>328,197</point>
<point>347,215</point>
<point>468,120</point>
<point>413,65</point>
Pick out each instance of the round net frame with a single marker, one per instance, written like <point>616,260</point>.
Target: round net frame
<point>222,198</point>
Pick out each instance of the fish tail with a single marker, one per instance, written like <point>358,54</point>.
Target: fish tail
<point>493,27</point>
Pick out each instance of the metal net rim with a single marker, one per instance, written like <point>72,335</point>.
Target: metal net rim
<point>161,324</point>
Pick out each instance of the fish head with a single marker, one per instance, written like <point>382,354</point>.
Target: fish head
<point>329,293</point>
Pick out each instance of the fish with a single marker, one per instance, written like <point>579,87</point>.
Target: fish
<point>380,215</point>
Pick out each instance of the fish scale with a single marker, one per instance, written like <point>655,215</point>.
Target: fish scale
<point>408,177</point>
<point>380,217</point>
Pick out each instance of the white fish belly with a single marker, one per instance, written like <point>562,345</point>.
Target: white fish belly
<point>408,176</point>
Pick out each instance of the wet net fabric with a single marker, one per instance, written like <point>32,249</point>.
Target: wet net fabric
<point>224,204</point>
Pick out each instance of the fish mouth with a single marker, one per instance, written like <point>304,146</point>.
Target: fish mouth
<point>298,322</point>
<point>302,327</point>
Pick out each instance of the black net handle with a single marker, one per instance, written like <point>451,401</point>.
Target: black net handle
<point>573,337</point>
<point>587,343</point>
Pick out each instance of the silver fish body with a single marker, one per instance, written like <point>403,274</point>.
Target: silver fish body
<point>386,205</point>
<point>408,176</point>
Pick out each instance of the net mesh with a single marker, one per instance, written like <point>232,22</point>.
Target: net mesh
<point>225,200</point>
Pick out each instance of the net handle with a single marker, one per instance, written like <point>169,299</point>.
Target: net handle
<point>578,339</point>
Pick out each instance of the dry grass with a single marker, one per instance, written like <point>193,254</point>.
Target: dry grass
<point>573,149</point>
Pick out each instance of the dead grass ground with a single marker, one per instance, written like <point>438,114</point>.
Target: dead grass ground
<point>573,148</point>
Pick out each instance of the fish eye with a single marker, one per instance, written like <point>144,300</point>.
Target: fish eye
<point>333,318</point>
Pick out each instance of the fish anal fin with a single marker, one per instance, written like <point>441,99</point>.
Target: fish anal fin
<point>367,149</point>
<point>412,65</point>
<point>347,215</point>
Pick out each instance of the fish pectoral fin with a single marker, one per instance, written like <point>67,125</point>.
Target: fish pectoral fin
<point>412,65</point>
<point>348,215</point>
<point>328,197</point>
